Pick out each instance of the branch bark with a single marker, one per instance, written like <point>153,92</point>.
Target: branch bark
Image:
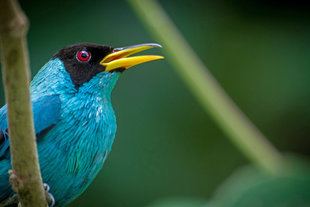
<point>25,177</point>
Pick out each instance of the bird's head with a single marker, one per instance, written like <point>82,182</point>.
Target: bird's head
<point>88,66</point>
<point>86,60</point>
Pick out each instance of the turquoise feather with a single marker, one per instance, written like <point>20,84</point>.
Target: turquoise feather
<point>70,157</point>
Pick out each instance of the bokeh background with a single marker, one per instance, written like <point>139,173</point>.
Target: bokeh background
<point>166,145</point>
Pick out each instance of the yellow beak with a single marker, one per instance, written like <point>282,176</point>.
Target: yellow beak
<point>119,57</point>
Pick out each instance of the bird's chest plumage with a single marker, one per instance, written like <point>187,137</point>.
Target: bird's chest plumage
<point>89,128</point>
<point>79,142</point>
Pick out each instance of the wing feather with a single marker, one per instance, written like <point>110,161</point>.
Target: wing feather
<point>46,112</point>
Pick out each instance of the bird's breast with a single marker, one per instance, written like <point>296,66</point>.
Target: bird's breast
<point>79,142</point>
<point>92,126</point>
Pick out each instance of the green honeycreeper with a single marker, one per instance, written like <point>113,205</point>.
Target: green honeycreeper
<point>73,116</point>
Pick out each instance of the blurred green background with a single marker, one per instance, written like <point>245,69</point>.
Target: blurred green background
<point>166,146</point>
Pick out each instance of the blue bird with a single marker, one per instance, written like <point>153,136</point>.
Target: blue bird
<point>73,116</point>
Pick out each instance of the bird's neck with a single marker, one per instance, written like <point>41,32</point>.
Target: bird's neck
<point>53,79</point>
<point>99,86</point>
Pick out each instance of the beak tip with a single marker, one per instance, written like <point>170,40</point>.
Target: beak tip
<point>156,45</point>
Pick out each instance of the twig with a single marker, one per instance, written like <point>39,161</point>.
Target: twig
<point>207,90</point>
<point>25,177</point>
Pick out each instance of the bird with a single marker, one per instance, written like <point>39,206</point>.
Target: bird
<point>74,120</point>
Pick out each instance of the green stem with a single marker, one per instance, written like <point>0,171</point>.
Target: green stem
<point>25,177</point>
<point>207,90</point>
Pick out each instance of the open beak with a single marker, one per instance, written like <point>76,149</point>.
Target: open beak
<point>119,57</point>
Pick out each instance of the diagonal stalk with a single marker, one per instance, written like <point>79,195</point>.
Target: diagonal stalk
<point>248,139</point>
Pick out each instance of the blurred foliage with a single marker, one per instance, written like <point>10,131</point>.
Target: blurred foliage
<point>165,145</point>
<point>178,202</point>
<point>248,187</point>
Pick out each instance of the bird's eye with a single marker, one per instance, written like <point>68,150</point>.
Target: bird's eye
<point>83,56</point>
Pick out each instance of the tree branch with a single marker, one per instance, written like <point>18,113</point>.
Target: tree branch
<point>25,177</point>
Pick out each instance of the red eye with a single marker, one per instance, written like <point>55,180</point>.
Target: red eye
<point>83,56</point>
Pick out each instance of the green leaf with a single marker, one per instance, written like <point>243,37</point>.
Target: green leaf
<point>251,187</point>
